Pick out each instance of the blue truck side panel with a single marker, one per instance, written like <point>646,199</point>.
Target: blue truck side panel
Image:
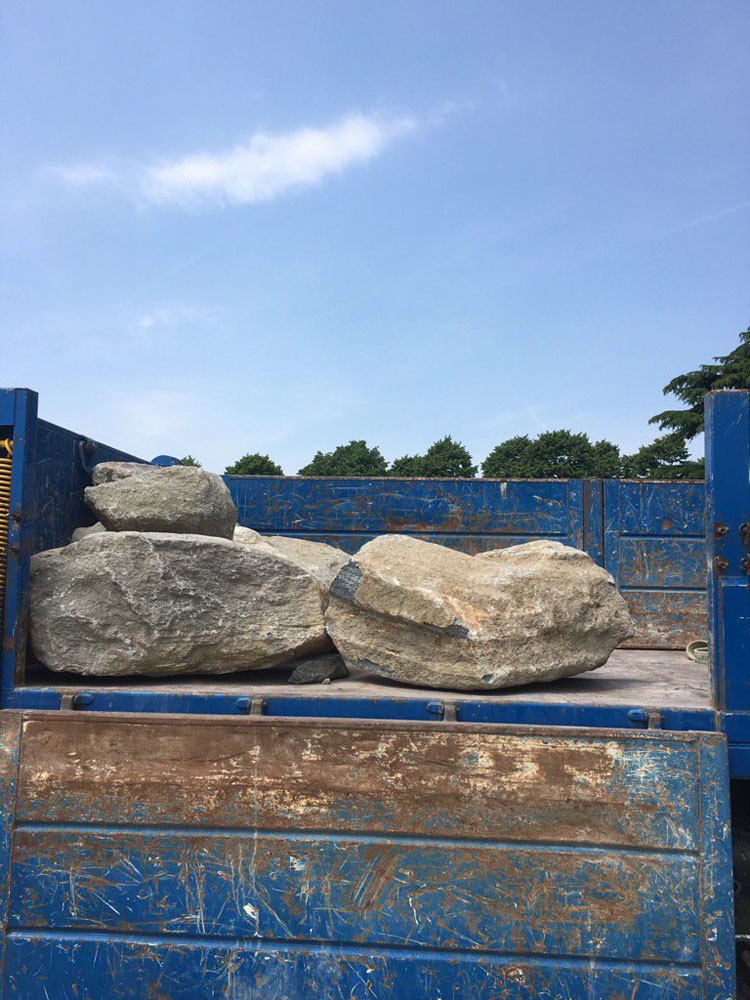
<point>345,859</point>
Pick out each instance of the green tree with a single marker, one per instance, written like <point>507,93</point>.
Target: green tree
<point>447,459</point>
<point>553,455</point>
<point>407,467</point>
<point>254,464</point>
<point>353,459</point>
<point>729,371</point>
<point>665,458</point>
<point>189,460</point>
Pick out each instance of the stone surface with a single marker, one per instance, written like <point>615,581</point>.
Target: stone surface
<point>426,615</point>
<point>180,498</point>
<point>322,561</point>
<point>110,472</point>
<point>93,529</point>
<point>319,670</point>
<point>158,604</point>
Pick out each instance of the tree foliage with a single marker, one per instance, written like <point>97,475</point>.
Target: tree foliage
<point>353,459</point>
<point>254,464</point>
<point>729,371</point>
<point>665,458</point>
<point>444,459</point>
<point>553,455</point>
<point>189,460</point>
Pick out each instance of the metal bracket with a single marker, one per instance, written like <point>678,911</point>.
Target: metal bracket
<point>72,702</point>
<point>251,706</point>
<point>647,718</point>
<point>445,711</point>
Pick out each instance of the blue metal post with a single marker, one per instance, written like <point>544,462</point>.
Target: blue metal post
<point>21,405</point>
<point>728,546</point>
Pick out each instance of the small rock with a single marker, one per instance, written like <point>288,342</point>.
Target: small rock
<point>180,499</point>
<point>93,529</point>
<point>321,670</point>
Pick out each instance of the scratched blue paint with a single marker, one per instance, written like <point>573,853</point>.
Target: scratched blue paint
<point>359,890</point>
<point>88,967</point>
<point>728,491</point>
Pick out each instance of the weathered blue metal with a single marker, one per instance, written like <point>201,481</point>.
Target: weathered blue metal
<point>728,555</point>
<point>293,859</point>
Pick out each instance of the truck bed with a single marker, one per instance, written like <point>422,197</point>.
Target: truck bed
<point>648,677</point>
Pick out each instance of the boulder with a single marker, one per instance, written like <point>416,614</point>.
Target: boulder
<point>109,472</point>
<point>93,529</point>
<point>321,560</point>
<point>426,615</point>
<point>159,603</point>
<point>180,498</point>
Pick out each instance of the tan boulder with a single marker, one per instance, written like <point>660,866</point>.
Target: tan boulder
<point>427,615</point>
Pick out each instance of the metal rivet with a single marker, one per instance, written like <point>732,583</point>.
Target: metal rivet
<point>435,707</point>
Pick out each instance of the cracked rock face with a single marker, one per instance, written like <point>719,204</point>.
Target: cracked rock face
<point>321,560</point>
<point>426,615</point>
<point>181,498</point>
<point>158,604</point>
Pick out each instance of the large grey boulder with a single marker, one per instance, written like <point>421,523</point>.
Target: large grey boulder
<point>151,603</point>
<point>110,472</point>
<point>321,560</point>
<point>179,498</point>
<point>426,615</point>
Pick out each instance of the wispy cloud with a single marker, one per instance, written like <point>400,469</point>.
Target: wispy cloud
<point>80,174</point>
<point>264,167</point>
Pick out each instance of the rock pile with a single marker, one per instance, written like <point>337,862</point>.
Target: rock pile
<point>168,583</point>
<point>159,588</point>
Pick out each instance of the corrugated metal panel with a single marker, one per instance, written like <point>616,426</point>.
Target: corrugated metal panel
<point>290,859</point>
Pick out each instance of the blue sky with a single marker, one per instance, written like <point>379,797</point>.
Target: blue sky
<point>277,226</point>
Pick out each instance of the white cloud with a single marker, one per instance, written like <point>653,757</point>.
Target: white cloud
<point>264,167</point>
<point>269,165</point>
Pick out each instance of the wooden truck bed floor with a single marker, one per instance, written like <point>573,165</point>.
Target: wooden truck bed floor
<point>658,678</point>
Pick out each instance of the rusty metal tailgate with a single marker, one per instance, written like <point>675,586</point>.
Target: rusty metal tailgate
<point>165,858</point>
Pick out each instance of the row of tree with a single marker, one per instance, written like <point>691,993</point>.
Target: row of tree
<point>552,455</point>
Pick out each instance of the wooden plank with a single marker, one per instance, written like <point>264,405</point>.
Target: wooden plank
<point>549,785</point>
<point>42,967</point>
<point>666,620</point>
<point>671,563</point>
<point>378,506</point>
<point>422,894</point>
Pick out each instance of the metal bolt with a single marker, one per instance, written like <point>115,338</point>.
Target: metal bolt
<point>720,530</point>
<point>81,699</point>
<point>744,530</point>
<point>721,563</point>
<point>435,707</point>
<point>638,716</point>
